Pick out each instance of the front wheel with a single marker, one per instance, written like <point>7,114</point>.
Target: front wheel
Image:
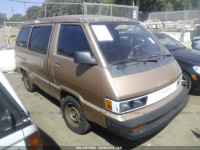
<point>73,115</point>
<point>186,81</point>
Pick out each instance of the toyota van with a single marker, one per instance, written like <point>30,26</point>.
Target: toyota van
<point>106,70</point>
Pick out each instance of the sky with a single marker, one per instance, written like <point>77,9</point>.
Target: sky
<point>9,7</point>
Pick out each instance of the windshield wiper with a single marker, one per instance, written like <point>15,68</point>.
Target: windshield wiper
<point>123,61</point>
<point>145,60</point>
<point>149,59</point>
<point>159,55</point>
<point>135,60</point>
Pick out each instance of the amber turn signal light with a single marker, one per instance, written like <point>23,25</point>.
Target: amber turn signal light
<point>194,77</point>
<point>108,104</point>
<point>33,141</point>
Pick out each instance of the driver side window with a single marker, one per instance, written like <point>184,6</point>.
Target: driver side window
<point>72,39</point>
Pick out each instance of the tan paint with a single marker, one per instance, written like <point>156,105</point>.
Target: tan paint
<point>146,82</point>
<point>91,84</point>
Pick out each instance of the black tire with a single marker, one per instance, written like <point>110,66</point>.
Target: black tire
<point>186,81</point>
<point>27,83</point>
<point>73,115</point>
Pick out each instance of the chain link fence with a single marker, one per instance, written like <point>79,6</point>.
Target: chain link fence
<point>8,34</point>
<point>175,15</point>
<point>58,9</point>
<point>180,23</point>
<point>10,30</point>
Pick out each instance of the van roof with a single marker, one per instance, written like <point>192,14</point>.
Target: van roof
<point>78,18</point>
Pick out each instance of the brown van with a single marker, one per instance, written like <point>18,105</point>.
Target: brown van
<point>107,70</point>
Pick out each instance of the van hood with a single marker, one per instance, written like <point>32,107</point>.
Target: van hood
<point>155,77</point>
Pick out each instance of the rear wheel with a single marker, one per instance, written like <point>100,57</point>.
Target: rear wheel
<point>27,83</point>
<point>186,81</point>
<point>73,115</point>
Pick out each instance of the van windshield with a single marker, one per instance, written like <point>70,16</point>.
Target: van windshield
<point>125,41</point>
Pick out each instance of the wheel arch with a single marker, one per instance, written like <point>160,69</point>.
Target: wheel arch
<point>64,93</point>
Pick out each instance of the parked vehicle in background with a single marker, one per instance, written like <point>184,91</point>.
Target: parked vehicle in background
<point>153,24</point>
<point>108,70</point>
<point>186,25</point>
<point>195,33</point>
<point>17,130</point>
<point>188,59</point>
<point>169,24</point>
<point>196,43</point>
<point>196,22</point>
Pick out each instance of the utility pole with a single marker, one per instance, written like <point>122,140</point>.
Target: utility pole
<point>12,11</point>
<point>25,6</point>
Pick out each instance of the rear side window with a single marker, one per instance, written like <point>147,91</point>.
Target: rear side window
<point>39,39</point>
<point>72,39</point>
<point>23,36</point>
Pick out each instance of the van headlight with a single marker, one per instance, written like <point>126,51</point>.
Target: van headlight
<point>125,106</point>
<point>196,69</point>
<point>130,105</point>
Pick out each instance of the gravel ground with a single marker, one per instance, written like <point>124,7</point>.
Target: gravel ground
<point>184,130</point>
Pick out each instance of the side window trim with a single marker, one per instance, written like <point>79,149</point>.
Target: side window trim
<point>41,25</point>
<point>28,36</point>
<point>58,35</point>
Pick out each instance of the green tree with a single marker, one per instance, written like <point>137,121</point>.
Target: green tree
<point>124,2</point>
<point>145,6</point>
<point>32,12</point>
<point>3,18</point>
<point>17,18</point>
<point>161,5</point>
<point>196,4</point>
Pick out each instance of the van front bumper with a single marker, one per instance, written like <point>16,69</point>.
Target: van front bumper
<point>154,121</point>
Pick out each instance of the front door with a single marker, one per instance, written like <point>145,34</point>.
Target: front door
<point>80,80</point>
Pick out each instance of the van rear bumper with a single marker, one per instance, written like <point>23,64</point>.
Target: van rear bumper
<point>163,117</point>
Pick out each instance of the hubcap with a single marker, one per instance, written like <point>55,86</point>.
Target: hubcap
<point>185,81</point>
<point>72,115</point>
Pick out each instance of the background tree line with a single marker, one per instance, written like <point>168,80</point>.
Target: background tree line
<point>145,6</point>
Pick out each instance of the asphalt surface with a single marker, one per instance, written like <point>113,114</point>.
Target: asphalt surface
<point>184,130</point>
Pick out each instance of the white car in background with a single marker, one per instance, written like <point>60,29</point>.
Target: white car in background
<point>153,24</point>
<point>17,130</point>
<point>169,24</point>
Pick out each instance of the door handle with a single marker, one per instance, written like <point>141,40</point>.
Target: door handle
<point>57,63</point>
<point>43,62</point>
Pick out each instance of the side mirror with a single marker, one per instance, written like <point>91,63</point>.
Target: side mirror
<point>84,58</point>
<point>6,119</point>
